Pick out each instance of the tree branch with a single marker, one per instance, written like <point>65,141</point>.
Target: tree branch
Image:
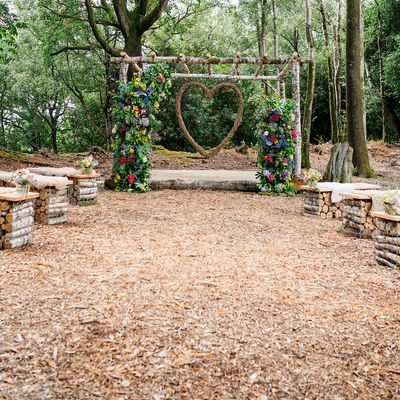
<point>110,50</point>
<point>110,11</point>
<point>79,18</point>
<point>75,48</point>
<point>122,15</point>
<point>148,21</point>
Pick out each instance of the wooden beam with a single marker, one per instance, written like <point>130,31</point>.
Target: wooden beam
<point>227,77</point>
<point>205,60</point>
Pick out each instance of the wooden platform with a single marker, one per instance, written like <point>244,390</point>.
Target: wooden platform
<point>383,215</point>
<point>13,196</point>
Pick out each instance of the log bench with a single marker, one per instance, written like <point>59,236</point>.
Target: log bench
<point>318,201</point>
<point>51,207</point>
<point>84,186</point>
<point>16,218</point>
<point>357,208</point>
<point>386,237</point>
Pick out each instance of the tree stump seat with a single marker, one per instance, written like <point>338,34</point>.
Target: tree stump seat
<point>16,218</point>
<point>386,237</point>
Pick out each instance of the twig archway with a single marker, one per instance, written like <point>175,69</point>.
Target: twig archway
<point>290,64</point>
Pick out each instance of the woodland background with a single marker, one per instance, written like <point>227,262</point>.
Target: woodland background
<point>57,84</point>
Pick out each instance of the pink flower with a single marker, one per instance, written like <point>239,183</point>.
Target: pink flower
<point>122,161</point>
<point>131,179</point>
<point>271,177</point>
<point>294,134</point>
<point>275,118</point>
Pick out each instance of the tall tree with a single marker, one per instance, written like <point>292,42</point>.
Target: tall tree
<point>381,71</point>
<point>355,88</point>
<point>333,106</point>
<point>308,105</point>
<point>129,20</point>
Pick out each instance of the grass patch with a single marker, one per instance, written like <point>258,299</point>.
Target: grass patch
<point>160,150</point>
<point>14,155</point>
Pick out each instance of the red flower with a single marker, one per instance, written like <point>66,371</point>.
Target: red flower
<point>131,179</point>
<point>275,118</point>
<point>294,134</point>
<point>268,159</point>
<point>122,160</point>
<point>272,138</point>
<point>123,129</point>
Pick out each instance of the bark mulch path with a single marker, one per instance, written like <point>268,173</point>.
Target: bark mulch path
<point>197,295</point>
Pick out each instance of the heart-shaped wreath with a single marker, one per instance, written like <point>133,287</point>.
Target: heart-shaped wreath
<point>209,94</point>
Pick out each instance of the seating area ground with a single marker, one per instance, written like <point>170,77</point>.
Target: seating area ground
<point>197,295</point>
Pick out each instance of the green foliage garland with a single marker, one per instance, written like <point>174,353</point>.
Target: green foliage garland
<point>277,143</point>
<point>135,107</point>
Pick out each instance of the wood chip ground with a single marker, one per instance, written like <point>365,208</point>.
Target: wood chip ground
<point>197,295</point>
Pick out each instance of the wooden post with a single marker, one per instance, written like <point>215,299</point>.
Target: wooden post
<point>123,71</point>
<point>297,112</point>
<point>282,89</point>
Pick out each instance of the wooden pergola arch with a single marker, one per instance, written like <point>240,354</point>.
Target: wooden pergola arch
<point>289,64</point>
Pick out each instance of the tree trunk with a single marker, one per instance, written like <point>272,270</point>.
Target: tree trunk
<point>133,47</point>
<point>381,71</point>
<point>331,84</point>
<point>337,63</point>
<point>389,109</point>
<point>262,35</point>
<point>308,105</point>
<point>276,41</point>
<point>355,89</point>
<point>340,167</point>
<point>54,139</point>
<point>108,101</point>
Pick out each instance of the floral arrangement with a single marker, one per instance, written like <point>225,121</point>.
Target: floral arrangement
<point>312,177</point>
<point>277,143</point>
<point>88,163</point>
<point>390,201</point>
<point>135,107</point>
<point>22,177</point>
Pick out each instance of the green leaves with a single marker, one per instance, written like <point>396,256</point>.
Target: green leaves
<point>135,107</point>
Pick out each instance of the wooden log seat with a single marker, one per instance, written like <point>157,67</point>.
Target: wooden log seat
<point>319,201</point>
<point>51,207</point>
<point>16,218</point>
<point>386,237</point>
<point>357,208</point>
<point>84,186</point>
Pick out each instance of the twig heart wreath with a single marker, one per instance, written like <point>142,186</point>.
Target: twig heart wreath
<point>209,94</point>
